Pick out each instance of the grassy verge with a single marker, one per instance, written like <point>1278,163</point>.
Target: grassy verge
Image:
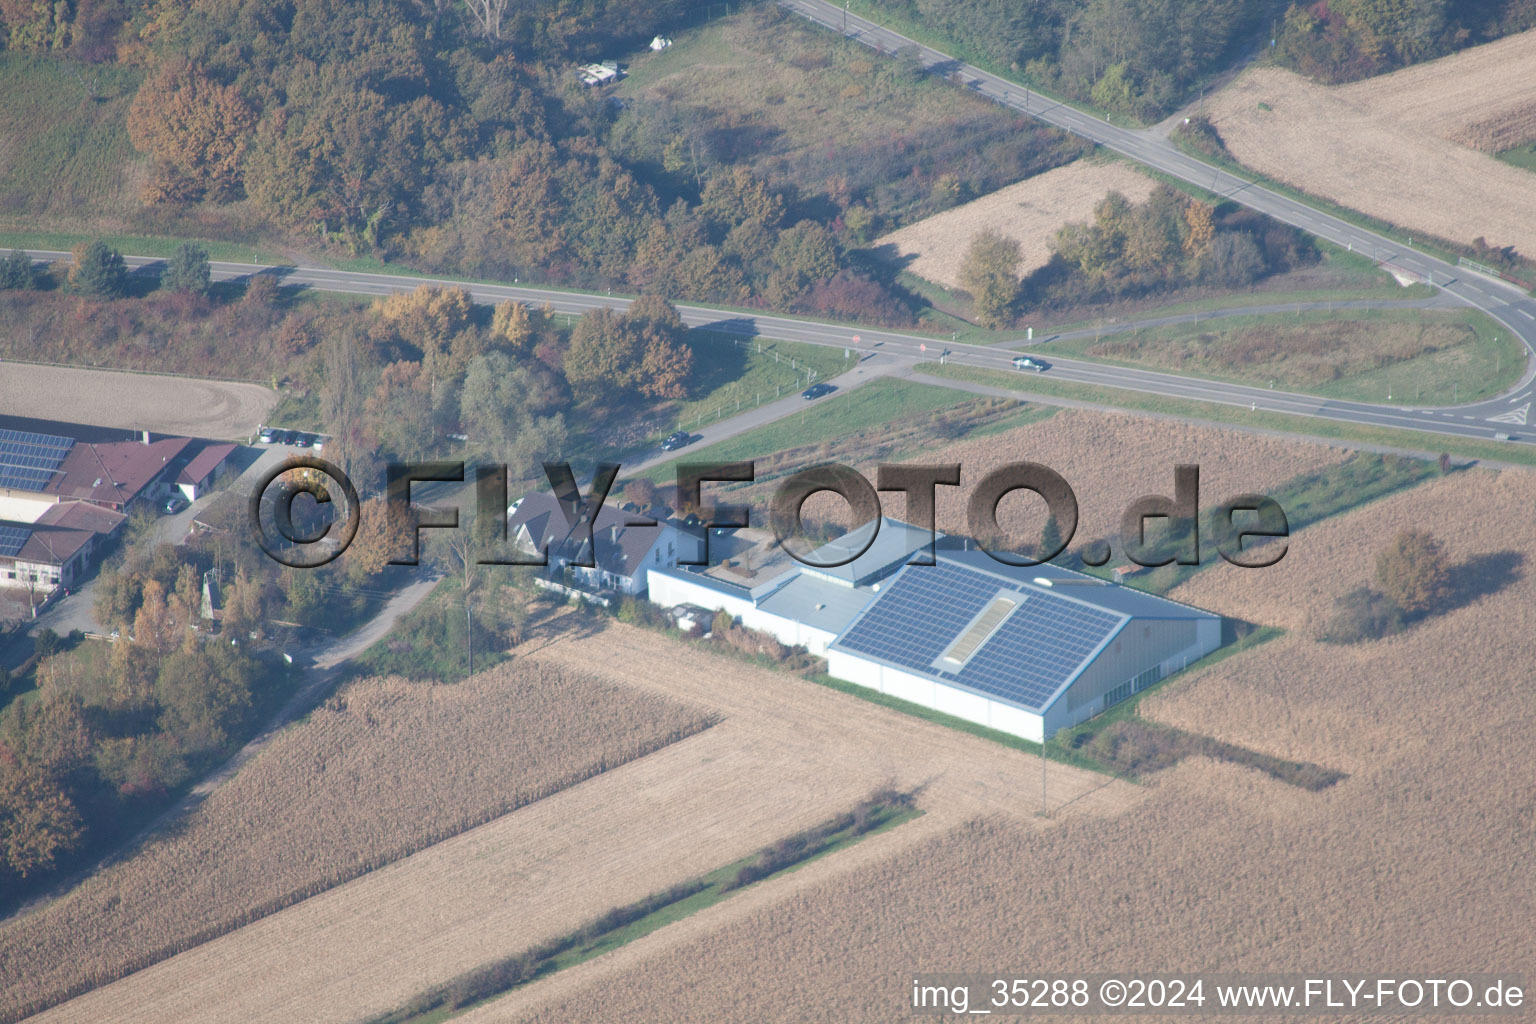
<point>829,418</point>
<point>431,642</point>
<point>734,374</point>
<point>1307,499</point>
<point>1361,281</point>
<point>1520,156</point>
<point>622,925</point>
<point>1311,426</point>
<point>1367,355</point>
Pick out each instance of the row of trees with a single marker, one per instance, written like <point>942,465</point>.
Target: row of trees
<point>1344,40</point>
<point>1137,57</point>
<point>98,271</point>
<point>1169,240</point>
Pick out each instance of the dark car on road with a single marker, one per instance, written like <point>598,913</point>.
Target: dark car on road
<point>817,390</point>
<point>175,503</point>
<point>1031,363</point>
<point>675,440</point>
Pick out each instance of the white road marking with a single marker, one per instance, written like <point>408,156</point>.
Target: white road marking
<point>1525,314</point>
<point>1515,416</point>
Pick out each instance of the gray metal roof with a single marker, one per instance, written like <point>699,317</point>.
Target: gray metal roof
<point>892,547</point>
<point>817,602</point>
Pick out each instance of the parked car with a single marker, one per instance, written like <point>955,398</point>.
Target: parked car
<point>675,440</point>
<point>317,442</point>
<point>1031,363</point>
<point>175,503</point>
<point>817,390</point>
<point>300,439</point>
<point>287,436</point>
<point>266,435</point>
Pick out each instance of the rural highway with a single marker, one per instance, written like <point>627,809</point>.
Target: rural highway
<point>1506,303</point>
<point>1488,421</point>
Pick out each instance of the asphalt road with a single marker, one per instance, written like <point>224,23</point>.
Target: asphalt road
<point>1506,303</point>
<point>1503,418</point>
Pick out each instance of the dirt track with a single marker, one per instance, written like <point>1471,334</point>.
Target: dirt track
<point>134,401</point>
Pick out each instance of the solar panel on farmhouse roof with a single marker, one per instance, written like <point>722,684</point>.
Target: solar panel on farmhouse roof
<point>11,539</point>
<point>1034,651</point>
<point>28,460</point>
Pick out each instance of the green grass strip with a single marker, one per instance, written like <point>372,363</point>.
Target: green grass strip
<point>1417,441</point>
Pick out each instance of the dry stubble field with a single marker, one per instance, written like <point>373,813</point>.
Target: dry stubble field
<point>1029,211</point>
<point>1109,459</point>
<point>1484,97</point>
<point>1403,692</point>
<point>788,754</point>
<point>1363,146</point>
<point>1415,861</point>
<point>385,768</point>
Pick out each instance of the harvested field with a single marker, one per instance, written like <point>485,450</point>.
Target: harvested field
<point>788,755</point>
<point>1404,691</point>
<point>1029,211</point>
<point>1218,870</point>
<point>385,768</point>
<point>1328,143</point>
<point>135,401</point>
<point>1484,97</point>
<point>1410,858</point>
<point>1110,459</point>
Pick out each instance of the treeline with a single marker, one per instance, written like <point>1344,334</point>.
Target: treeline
<point>1345,40</point>
<point>1136,57</point>
<point>1128,249</point>
<point>114,728</point>
<point>422,132</point>
<point>428,365</point>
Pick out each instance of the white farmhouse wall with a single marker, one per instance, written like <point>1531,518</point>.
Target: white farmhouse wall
<point>22,510</point>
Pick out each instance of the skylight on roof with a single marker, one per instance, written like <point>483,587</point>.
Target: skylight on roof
<point>987,623</point>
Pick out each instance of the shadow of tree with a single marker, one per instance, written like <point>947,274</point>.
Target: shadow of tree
<point>1481,576</point>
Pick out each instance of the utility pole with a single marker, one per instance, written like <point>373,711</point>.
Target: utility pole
<point>1044,807</point>
<point>845,17</point>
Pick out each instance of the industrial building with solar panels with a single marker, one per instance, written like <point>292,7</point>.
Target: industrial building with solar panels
<point>1025,650</point>
<point>62,500</point>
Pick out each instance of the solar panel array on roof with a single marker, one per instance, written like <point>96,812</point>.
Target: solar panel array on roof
<point>11,540</point>
<point>28,461</point>
<point>1036,649</point>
